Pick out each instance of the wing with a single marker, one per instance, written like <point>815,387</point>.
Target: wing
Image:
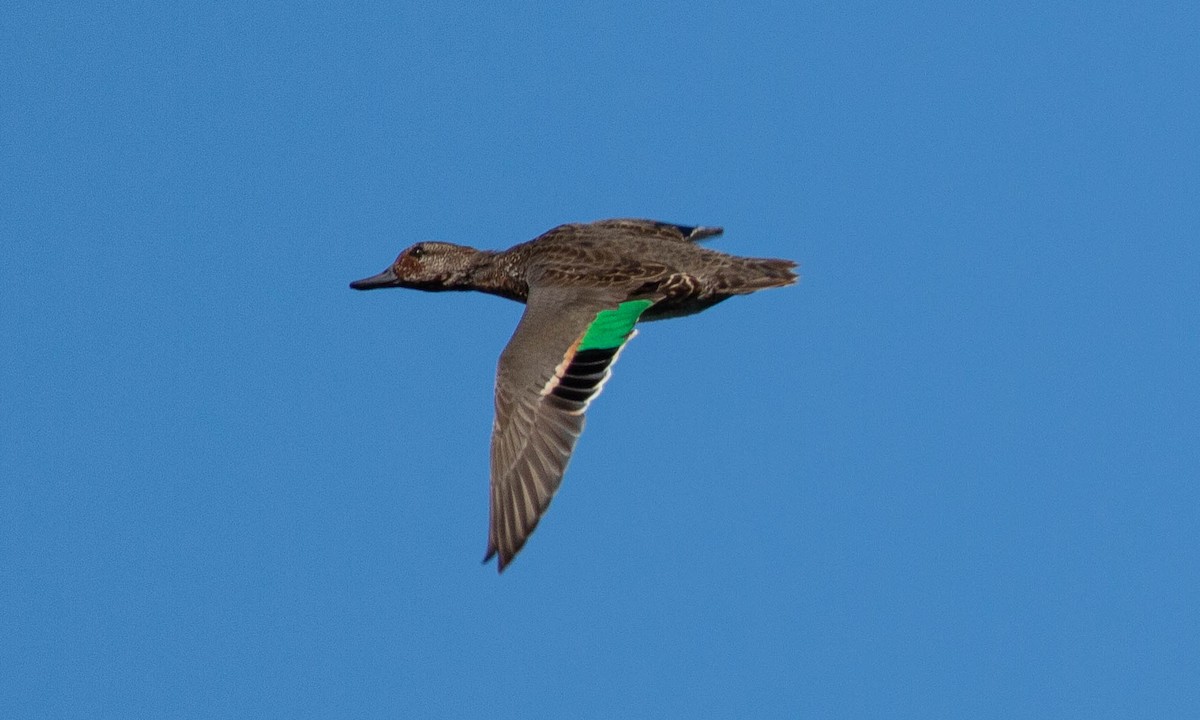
<point>555,364</point>
<point>633,227</point>
<point>657,228</point>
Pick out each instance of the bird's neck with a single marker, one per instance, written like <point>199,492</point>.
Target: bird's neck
<point>494,273</point>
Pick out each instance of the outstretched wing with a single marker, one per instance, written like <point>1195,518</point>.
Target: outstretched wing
<point>555,364</point>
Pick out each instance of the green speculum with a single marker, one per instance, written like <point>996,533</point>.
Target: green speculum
<point>611,328</point>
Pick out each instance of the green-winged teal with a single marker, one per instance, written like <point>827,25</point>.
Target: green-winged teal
<point>584,287</point>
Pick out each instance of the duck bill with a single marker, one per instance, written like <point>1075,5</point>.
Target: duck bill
<point>387,278</point>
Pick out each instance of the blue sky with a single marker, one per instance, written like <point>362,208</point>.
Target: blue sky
<point>952,473</point>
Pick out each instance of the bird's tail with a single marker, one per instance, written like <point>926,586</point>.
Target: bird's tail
<point>763,273</point>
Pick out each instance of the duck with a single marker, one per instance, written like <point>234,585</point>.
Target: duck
<point>584,286</point>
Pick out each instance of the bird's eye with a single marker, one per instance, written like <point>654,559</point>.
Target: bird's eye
<point>417,251</point>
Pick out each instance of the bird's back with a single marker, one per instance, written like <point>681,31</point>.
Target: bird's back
<point>647,257</point>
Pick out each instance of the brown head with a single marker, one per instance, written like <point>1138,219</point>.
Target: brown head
<point>426,266</point>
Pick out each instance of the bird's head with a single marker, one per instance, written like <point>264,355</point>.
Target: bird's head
<point>425,266</point>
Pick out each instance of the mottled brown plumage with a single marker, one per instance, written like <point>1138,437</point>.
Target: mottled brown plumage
<point>570,278</point>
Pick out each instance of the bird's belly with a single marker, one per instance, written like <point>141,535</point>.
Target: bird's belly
<point>679,307</point>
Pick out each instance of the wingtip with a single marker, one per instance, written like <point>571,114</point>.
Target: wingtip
<point>491,553</point>
<point>702,232</point>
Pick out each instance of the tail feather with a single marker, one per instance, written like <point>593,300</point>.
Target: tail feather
<point>763,273</point>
